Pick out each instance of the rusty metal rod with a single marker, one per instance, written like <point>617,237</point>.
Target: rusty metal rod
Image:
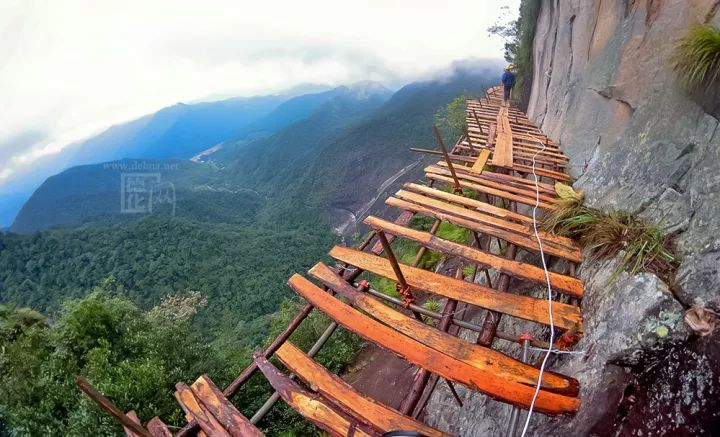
<point>404,287</point>
<point>111,408</point>
<point>440,142</point>
<point>454,392</point>
<point>515,413</point>
<point>469,141</point>
<point>267,406</point>
<point>411,400</point>
<point>513,338</point>
<point>477,120</point>
<point>393,261</point>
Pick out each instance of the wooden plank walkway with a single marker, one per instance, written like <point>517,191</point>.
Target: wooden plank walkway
<point>484,185</point>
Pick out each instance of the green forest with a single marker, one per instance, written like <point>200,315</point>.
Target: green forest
<point>137,305</point>
<point>134,357</point>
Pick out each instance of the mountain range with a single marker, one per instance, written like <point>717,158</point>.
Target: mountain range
<point>323,151</point>
<point>266,200</point>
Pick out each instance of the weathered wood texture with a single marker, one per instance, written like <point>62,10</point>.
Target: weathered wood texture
<point>479,357</point>
<point>525,307</point>
<point>563,283</point>
<point>199,412</point>
<point>231,419</point>
<point>313,407</point>
<point>158,428</point>
<point>428,358</point>
<point>503,155</point>
<point>338,391</point>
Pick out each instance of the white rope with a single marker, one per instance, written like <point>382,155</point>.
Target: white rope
<point>547,280</point>
<point>557,351</point>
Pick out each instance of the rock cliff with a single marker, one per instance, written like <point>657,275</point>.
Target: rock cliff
<point>605,89</point>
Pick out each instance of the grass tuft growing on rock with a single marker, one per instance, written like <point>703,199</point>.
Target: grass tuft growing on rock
<point>606,234</point>
<point>696,58</point>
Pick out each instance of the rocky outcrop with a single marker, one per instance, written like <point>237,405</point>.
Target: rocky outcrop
<point>604,88</point>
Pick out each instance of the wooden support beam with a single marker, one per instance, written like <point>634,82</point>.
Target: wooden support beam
<point>338,391</point>
<point>313,407</point>
<point>502,365</point>
<point>225,412</point>
<point>525,307</point>
<point>432,360</point>
<point>563,283</point>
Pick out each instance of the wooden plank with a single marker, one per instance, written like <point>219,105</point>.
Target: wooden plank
<point>530,146</point>
<point>132,415</point>
<point>466,201</point>
<point>482,159</point>
<point>231,419</point>
<point>544,172</point>
<point>503,154</point>
<point>519,228</point>
<point>313,407</point>
<point>509,179</point>
<point>520,154</point>
<point>459,211</point>
<point>193,407</point>
<point>158,428</point>
<point>480,143</point>
<point>428,358</point>
<point>438,174</point>
<point>563,283</point>
<point>525,307</point>
<point>338,391</point>
<point>520,189</point>
<point>502,366</point>
<point>525,240</point>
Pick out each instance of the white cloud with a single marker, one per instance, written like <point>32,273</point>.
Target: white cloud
<point>71,68</point>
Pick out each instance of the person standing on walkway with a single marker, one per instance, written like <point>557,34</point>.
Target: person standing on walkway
<point>508,81</point>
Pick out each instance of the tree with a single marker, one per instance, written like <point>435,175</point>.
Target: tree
<point>451,119</point>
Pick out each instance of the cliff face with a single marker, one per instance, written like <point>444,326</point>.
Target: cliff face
<point>604,88</point>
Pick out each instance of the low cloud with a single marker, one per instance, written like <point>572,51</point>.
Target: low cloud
<point>70,69</point>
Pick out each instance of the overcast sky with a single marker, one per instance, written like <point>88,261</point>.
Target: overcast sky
<point>70,68</point>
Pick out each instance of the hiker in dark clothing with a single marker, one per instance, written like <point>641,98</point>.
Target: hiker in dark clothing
<point>508,80</point>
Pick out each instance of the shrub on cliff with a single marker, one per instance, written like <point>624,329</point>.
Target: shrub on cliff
<point>697,57</point>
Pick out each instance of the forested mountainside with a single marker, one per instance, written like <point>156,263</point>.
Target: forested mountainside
<point>208,268</point>
<point>339,170</point>
<point>179,131</point>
